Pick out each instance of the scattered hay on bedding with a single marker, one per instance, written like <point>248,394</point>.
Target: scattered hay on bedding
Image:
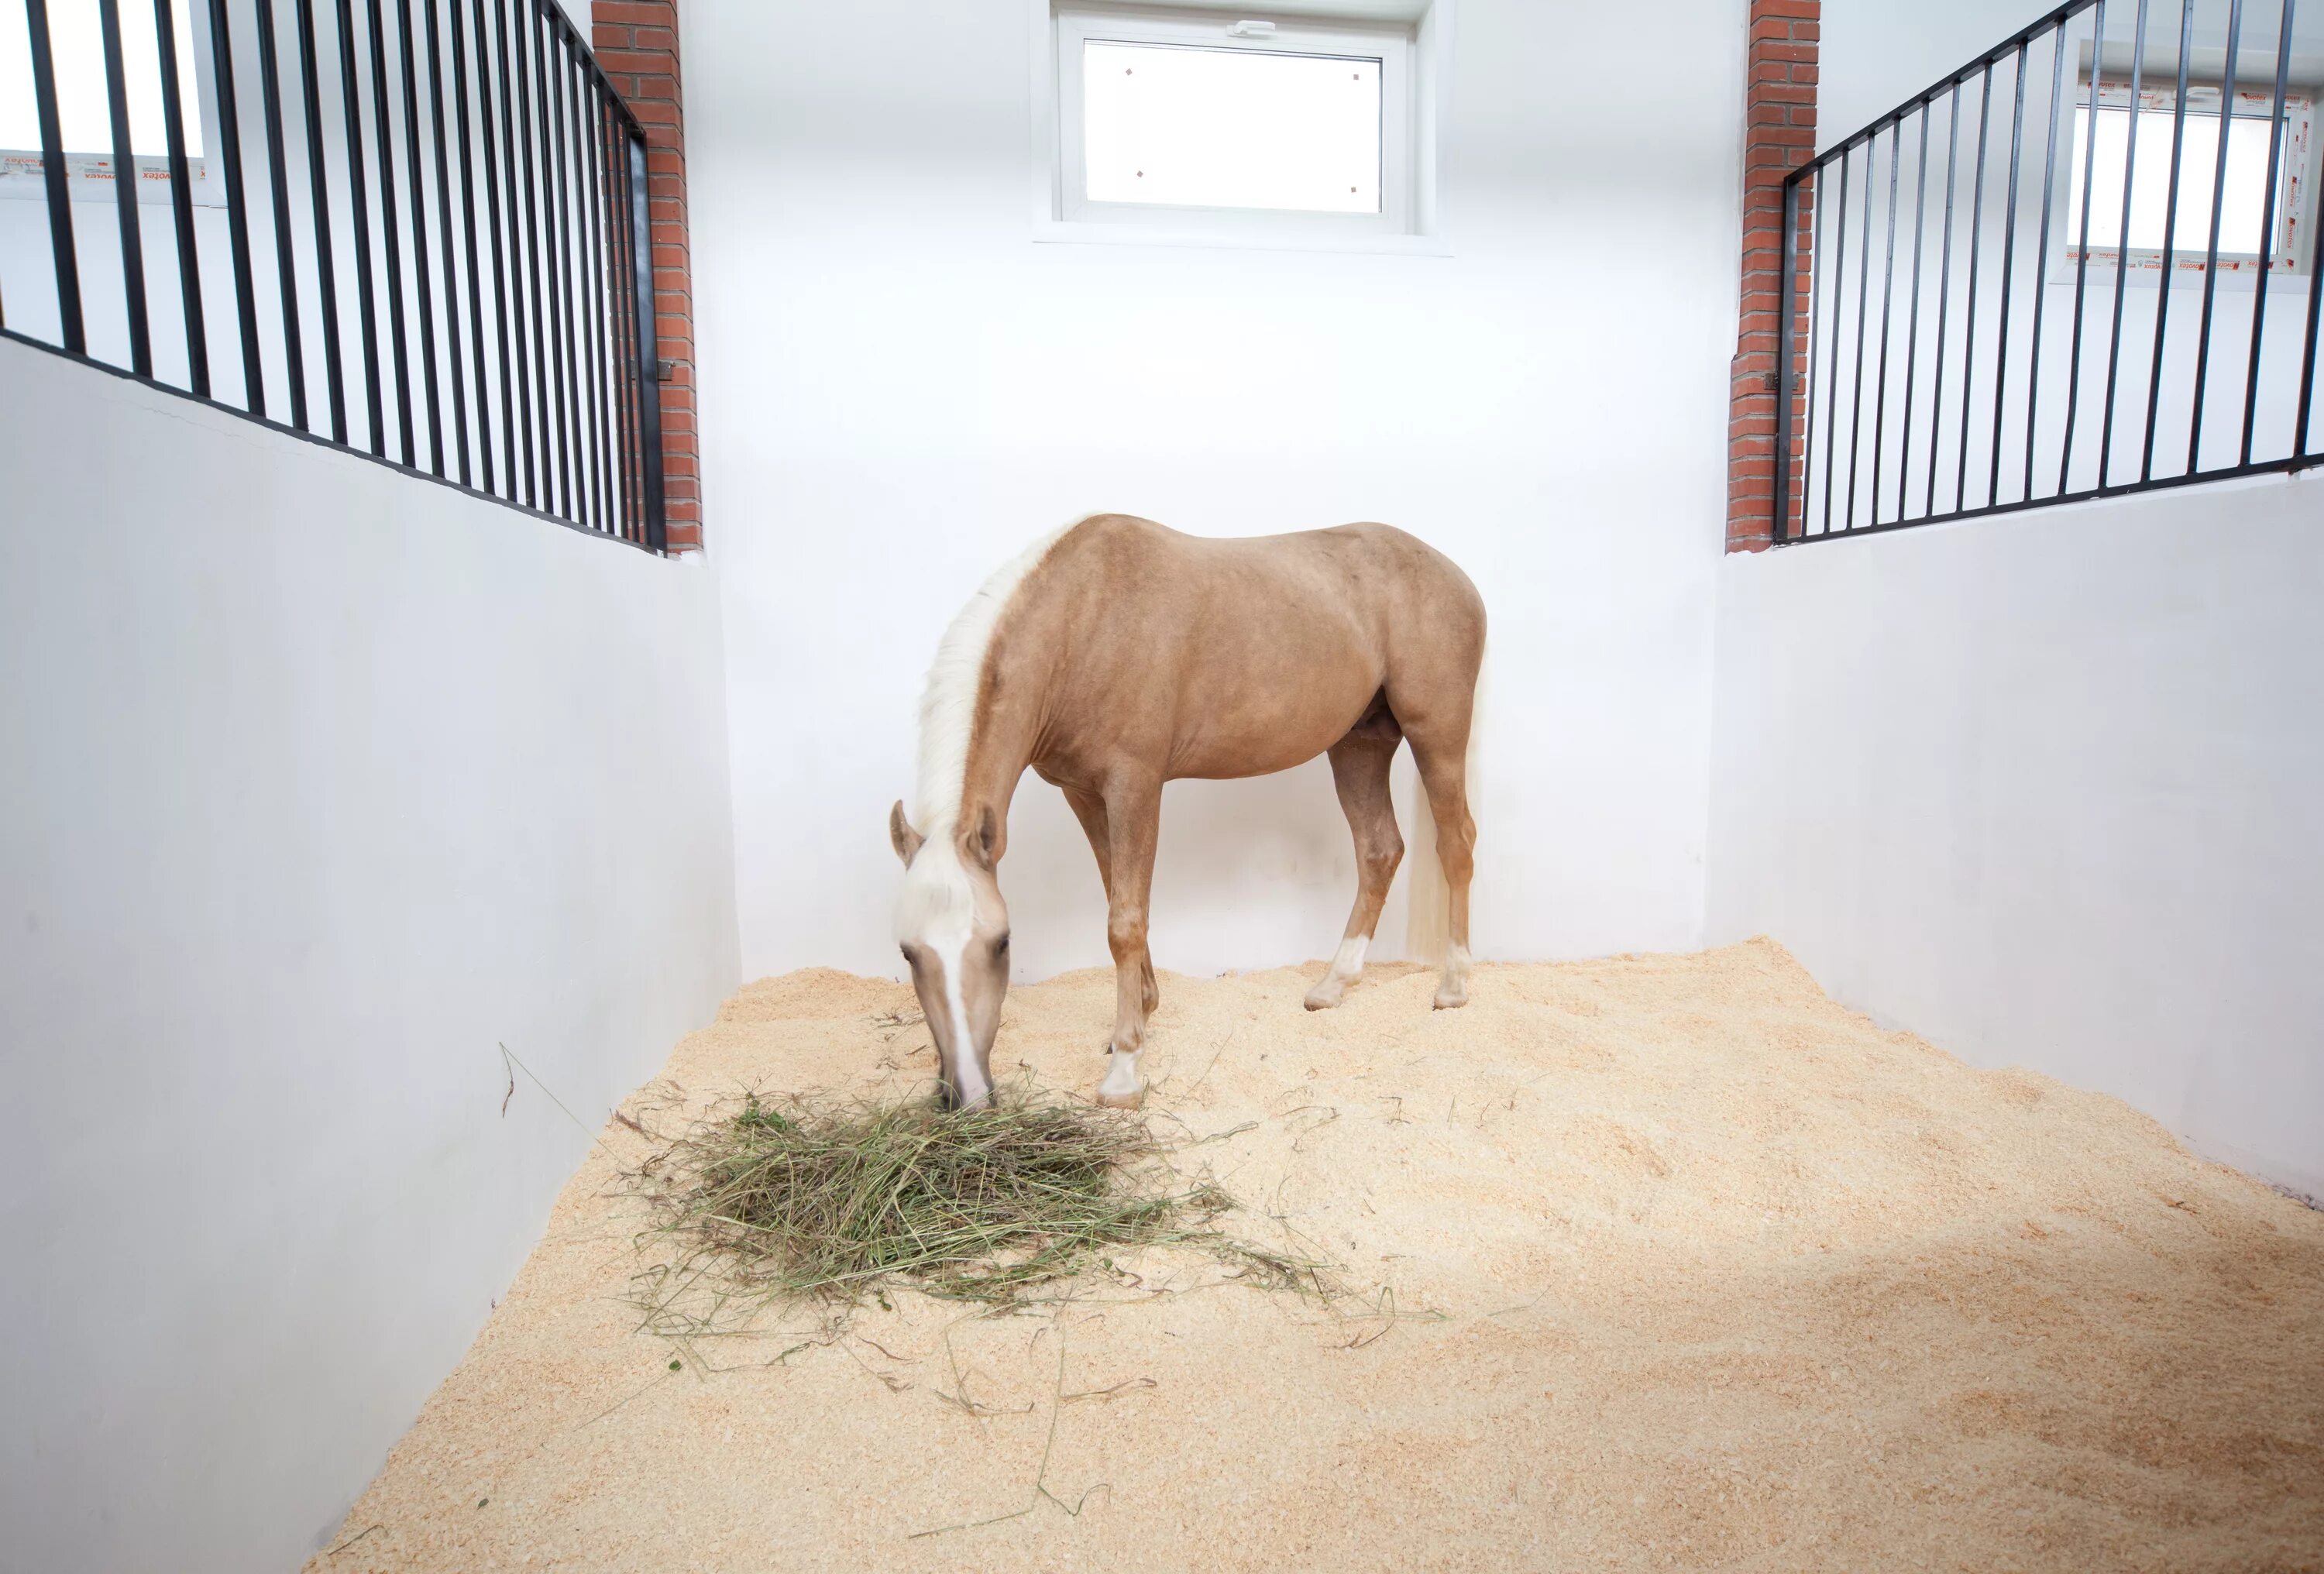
<point>801,1200</point>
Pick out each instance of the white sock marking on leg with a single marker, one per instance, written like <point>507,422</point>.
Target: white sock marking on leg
<point>1120,1074</point>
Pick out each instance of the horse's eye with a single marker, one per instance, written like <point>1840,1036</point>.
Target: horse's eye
<point>1001,945</point>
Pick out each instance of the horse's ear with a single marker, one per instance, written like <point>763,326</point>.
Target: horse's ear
<point>980,843</point>
<point>900,834</point>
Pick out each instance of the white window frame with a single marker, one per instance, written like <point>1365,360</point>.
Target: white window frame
<point>88,174</point>
<point>1410,42</point>
<point>2291,253</point>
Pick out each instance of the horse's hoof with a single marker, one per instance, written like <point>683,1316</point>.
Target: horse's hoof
<point>1122,1100</point>
<point>1447,1000</point>
<point>1320,999</point>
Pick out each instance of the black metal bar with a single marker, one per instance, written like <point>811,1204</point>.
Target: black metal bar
<point>2008,273</point>
<point>444,247</point>
<point>125,191</point>
<point>181,200</point>
<point>501,304</point>
<point>359,207</point>
<point>591,140</point>
<point>2122,250</point>
<point>1786,305</point>
<point>2083,245</point>
<point>59,182</point>
<point>2212,254</point>
<point>277,186</point>
<point>1815,325</point>
<point>537,414</point>
<point>468,222</point>
<point>2041,247</point>
<point>632,469</point>
<point>1863,306</point>
<point>2170,238</point>
<point>2268,226</point>
<point>2308,354</point>
<point>318,187</point>
<point>1888,291</point>
<point>1831,384</point>
<point>572,150</point>
<point>415,177</point>
<point>521,420</point>
<point>398,348</point>
<point>600,321</point>
<point>556,54</point>
<point>1944,301</point>
<point>1913,315</point>
<point>559,266</point>
<point>649,390</point>
<point>2308,351</point>
<point>1969,314</point>
<point>237,207</point>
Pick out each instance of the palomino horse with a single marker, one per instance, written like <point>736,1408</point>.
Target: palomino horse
<point>1116,654</point>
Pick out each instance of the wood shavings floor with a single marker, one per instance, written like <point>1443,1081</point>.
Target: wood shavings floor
<point>1688,1267</point>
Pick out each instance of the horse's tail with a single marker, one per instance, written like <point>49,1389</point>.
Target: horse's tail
<point>1428,922</point>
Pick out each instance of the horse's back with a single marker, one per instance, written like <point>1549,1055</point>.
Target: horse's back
<point>1252,653</point>
<point>1375,572</point>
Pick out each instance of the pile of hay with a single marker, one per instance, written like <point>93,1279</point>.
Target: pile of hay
<point>795,1199</point>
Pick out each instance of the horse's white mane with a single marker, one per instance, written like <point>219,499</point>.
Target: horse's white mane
<point>948,703</point>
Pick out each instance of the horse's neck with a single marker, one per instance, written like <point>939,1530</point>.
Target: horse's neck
<point>1000,745</point>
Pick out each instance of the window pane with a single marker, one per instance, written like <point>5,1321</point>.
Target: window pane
<point>2242,217</point>
<point>76,51</point>
<point>1230,128</point>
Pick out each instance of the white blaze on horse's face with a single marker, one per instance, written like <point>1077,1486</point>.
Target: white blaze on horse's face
<point>953,930</point>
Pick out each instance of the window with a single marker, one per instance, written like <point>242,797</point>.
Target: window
<point>2245,222</point>
<point>1234,127</point>
<point>84,108</point>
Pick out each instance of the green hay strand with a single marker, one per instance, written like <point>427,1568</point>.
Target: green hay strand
<point>799,1199</point>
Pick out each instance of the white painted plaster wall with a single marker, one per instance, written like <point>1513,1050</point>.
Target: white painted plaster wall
<point>2043,789</point>
<point>2041,786</point>
<point>901,388</point>
<point>316,782</point>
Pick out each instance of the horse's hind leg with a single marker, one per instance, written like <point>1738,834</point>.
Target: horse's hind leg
<point>1444,773</point>
<point>1360,768</point>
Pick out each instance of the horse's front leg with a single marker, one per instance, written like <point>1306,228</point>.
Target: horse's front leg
<point>1133,820</point>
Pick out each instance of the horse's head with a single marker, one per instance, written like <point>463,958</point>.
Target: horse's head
<point>953,929</point>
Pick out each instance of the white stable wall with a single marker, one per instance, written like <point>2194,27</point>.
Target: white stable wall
<point>901,388</point>
<point>316,783</point>
<point>2043,788</point>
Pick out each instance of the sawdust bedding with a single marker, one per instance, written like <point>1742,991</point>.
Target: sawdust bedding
<point>1653,1262</point>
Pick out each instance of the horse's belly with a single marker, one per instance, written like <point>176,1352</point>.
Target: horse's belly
<point>1262,727</point>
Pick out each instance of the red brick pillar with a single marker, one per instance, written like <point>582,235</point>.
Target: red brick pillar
<point>1779,103</point>
<point>636,42</point>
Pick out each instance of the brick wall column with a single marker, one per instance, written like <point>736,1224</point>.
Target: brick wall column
<point>636,42</point>
<point>1779,106</point>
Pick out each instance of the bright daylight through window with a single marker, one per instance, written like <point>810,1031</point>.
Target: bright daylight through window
<point>83,109</point>
<point>2245,223</point>
<point>1228,124</point>
<point>1231,128</point>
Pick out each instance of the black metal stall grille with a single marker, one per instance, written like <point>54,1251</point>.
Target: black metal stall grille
<point>2081,265</point>
<point>415,229</point>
